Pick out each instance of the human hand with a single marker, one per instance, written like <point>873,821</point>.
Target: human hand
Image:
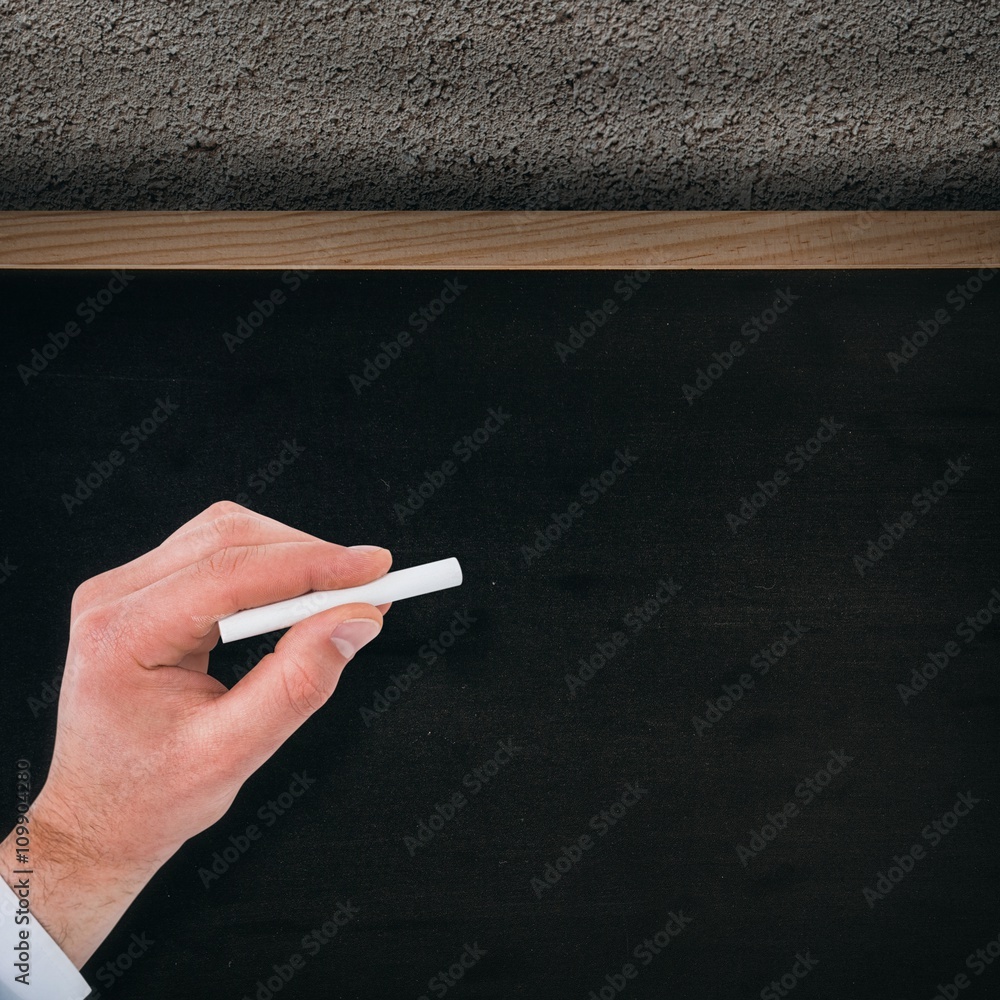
<point>150,750</point>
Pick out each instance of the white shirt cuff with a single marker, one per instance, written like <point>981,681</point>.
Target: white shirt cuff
<point>50,974</point>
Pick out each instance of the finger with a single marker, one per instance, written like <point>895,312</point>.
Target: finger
<point>222,524</point>
<point>171,618</point>
<point>197,541</point>
<point>287,686</point>
<point>211,512</point>
<point>197,659</point>
<point>223,507</point>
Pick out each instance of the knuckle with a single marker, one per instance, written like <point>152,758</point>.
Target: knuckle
<point>83,596</point>
<point>222,507</point>
<point>234,527</point>
<point>97,628</point>
<point>304,689</point>
<point>225,563</point>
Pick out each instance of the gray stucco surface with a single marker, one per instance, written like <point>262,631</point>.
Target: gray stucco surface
<point>773,104</point>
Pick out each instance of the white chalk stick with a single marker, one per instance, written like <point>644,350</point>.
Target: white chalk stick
<point>395,586</point>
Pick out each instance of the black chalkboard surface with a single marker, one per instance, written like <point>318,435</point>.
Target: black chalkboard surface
<point>714,713</point>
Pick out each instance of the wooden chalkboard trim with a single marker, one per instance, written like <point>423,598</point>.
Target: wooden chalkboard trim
<point>466,240</point>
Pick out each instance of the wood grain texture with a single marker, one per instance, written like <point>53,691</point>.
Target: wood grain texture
<point>498,240</point>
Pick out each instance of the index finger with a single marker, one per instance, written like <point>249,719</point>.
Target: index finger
<point>170,618</point>
<point>221,508</point>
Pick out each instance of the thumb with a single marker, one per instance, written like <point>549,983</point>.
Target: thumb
<point>287,686</point>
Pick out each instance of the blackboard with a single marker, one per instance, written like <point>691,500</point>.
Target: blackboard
<point>711,523</point>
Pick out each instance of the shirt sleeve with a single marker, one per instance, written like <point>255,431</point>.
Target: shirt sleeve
<point>50,974</point>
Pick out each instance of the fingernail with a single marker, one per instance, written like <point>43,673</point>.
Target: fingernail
<point>351,635</point>
<point>367,548</point>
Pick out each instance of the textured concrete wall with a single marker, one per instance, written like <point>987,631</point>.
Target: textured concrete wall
<point>500,104</point>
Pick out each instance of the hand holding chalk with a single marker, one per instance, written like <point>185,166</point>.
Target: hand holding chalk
<point>150,748</point>
<point>395,586</point>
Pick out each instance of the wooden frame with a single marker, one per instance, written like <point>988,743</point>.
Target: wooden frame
<point>495,240</point>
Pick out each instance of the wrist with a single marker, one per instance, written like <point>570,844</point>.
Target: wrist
<point>74,893</point>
